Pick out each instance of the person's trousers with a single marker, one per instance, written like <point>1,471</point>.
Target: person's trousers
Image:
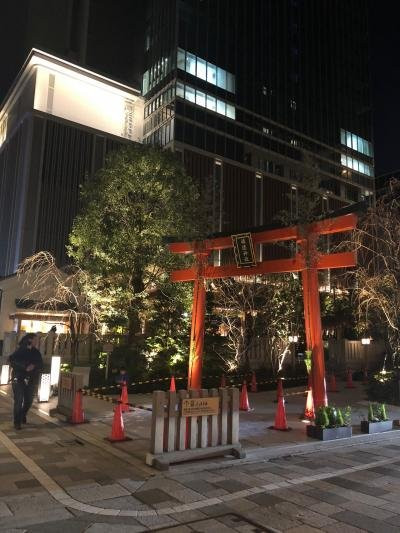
<point>23,398</point>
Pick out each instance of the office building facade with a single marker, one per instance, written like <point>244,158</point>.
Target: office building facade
<point>261,98</point>
<point>57,124</point>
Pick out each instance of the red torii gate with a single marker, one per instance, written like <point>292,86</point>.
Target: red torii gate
<point>308,262</point>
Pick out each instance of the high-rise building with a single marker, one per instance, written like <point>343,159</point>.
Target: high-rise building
<point>57,123</point>
<point>261,97</point>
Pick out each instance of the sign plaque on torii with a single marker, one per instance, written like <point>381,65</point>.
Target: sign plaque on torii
<point>308,261</point>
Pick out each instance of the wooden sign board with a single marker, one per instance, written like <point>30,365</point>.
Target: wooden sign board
<point>66,382</point>
<point>244,250</point>
<point>200,406</point>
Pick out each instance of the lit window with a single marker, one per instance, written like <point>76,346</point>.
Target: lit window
<point>221,78</point>
<point>201,69</point>
<point>342,136</point>
<point>181,59</point>
<point>354,141</point>
<point>230,111</point>
<point>211,73</point>
<point>355,164</point>
<point>200,98</point>
<point>190,94</point>
<point>221,107</point>
<point>211,103</point>
<point>191,63</point>
<point>180,90</point>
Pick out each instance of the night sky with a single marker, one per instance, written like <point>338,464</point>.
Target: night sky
<point>385,71</point>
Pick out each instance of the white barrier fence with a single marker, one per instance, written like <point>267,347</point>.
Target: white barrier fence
<point>188,425</point>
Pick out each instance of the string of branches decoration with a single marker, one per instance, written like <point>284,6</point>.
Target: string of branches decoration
<point>257,309</point>
<point>53,289</point>
<point>376,279</point>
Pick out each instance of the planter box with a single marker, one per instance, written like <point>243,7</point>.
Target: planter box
<point>376,427</point>
<point>317,432</point>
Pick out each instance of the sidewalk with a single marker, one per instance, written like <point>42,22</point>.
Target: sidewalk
<point>61,477</point>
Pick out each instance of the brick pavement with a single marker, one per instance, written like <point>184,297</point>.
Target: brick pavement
<point>50,479</point>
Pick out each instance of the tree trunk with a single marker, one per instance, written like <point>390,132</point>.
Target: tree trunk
<point>134,326</point>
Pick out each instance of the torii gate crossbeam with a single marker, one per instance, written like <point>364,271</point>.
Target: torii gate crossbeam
<point>308,262</point>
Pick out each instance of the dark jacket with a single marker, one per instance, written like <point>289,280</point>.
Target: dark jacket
<point>23,357</point>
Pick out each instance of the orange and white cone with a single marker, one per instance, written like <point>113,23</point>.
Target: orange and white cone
<point>309,412</point>
<point>350,384</point>
<point>172,386</point>
<point>117,429</point>
<point>279,390</point>
<point>280,416</point>
<point>244,398</point>
<point>78,416</point>
<point>253,382</point>
<point>332,384</point>
<point>124,398</point>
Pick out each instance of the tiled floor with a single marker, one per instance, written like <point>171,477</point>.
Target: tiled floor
<point>51,480</point>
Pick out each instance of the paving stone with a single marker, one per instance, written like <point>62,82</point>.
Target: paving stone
<point>27,483</point>
<point>22,521</point>
<point>177,529</point>
<point>153,496</point>
<point>327,497</point>
<point>130,484</point>
<point>303,529</point>
<point>303,514</point>
<point>368,510</point>
<point>212,526</point>
<point>354,485</point>
<point>325,508</point>
<point>189,516</point>
<point>217,510</point>
<point>101,527</point>
<point>154,522</point>
<point>264,499</point>
<point>365,522</point>
<point>89,494</point>
<point>343,528</point>
<point>4,510</point>
<point>232,485</point>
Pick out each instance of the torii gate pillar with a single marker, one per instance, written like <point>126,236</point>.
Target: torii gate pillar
<point>197,330</point>
<point>312,320</point>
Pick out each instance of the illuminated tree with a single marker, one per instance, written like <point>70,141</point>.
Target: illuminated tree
<point>50,288</point>
<point>139,197</point>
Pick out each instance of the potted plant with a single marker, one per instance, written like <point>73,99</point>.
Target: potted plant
<point>377,419</point>
<point>331,423</point>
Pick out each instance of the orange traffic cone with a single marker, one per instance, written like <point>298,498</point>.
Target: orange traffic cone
<point>279,390</point>
<point>124,398</point>
<point>253,382</point>
<point>244,398</point>
<point>280,416</point>
<point>365,377</point>
<point>350,384</point>
<point>223,381</point>
<point>117,430</point>
<point>78,416</point>
<point>309,412</point>
<point>332,384</point>
<point>172,387</point>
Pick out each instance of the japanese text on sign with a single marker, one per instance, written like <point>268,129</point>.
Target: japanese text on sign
<point>200,406</point>
<point>244,250</point>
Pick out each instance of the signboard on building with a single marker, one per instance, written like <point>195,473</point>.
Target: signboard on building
<point>200,406</point>
<point>244,250</point>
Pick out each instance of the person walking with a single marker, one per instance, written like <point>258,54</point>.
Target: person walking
<point>26,363</point>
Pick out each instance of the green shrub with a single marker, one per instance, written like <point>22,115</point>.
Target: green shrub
<point>332,417</point>
<point>377,412</point>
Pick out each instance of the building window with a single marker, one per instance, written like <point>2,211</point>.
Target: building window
<point>205,100</point>
<point>356,143</point>
<point>206,71</point>
<point>211,103</point>
<point>201,69</point>
<point>355,164</point>
<point>190,63</point>
<point>293,104</point>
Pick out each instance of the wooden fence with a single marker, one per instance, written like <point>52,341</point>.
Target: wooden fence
<point>194,425</point>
